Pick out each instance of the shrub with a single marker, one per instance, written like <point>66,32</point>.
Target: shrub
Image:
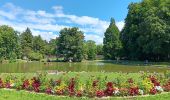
<point>35,56</point>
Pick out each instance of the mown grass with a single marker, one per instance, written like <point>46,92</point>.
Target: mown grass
<point>23,95</point>
<point>83,76</point>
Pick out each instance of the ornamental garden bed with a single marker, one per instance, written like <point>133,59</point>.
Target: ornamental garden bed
<point>91,85</point>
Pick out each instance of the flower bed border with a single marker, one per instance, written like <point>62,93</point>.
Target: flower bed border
<point>72,87</point>
<point>108,97</point>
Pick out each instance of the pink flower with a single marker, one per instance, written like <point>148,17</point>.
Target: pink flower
<point>99,93</point>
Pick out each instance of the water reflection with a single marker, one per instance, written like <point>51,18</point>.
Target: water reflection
<point>77,67</point>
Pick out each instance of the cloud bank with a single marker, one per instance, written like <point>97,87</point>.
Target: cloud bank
<point>49,24</point>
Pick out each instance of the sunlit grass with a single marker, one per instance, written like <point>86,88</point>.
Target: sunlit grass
<point>23,95</point>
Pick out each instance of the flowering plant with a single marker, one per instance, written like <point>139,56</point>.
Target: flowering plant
<point>73,86</point>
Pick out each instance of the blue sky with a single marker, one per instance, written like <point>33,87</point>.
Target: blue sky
<point>48,17</point>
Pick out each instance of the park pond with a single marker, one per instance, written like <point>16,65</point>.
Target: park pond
<point>88,66</point>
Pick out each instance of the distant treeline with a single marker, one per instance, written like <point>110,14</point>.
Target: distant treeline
<point>145,36</point>
<point>15,45</point>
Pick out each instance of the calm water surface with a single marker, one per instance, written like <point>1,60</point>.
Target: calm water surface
<point>76,67</point>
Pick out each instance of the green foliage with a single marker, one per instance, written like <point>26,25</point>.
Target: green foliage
<point>70,44</point>
<point>8,43</point>
<point>100,49</point>
<point>39,44</point>
<point>146,34</point>
<point>112,43</point>
<point>52,47</point>
<point>85,50</point>
<point>91,50</point>
<point>35,56</point>
<point>33,47</point>
<point>26,42</point>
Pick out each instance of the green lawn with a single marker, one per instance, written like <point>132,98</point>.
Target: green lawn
<point>22,95</point>
<point>83,76</point>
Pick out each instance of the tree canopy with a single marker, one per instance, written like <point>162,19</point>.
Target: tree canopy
<point>26,39</point>
<point>91,50</point>
<point>70,44</point>
<point>146,35</point>
<point>8,43</point>
<point>111,42</point>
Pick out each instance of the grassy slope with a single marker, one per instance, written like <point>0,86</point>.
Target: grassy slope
<point>22,95</point>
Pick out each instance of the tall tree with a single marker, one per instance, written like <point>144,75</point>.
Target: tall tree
<point>52,47</point>
<point>8,43</point>
<point>100,49</point>
<point>26,42</point>
<point>70,44</point>
<point>39,44</point>
<point>146,32</point>
<point>112,43</point>
<point>92,50</point>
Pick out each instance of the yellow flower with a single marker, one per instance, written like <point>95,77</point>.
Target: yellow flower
<point>11,81</point>
<point>30,81</point>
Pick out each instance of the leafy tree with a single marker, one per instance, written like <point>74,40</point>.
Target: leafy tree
<point>36,56</point>
<point>91,50</point>
<point>85,50</point>
<point>146,33</point>
<point>39,44</point>
<point>70,44</point>
<point>100,49</point>
<point>112,43</point>
<point>51,47</point>
<point>8,43</point>
<point>26,42</point>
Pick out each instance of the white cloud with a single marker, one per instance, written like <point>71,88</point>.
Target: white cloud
<point>96,38</point>
<point>46,24</point>
<point>45,35</point>
<point>120,25</point>
<point>58,9</point>
<point>8,15</point>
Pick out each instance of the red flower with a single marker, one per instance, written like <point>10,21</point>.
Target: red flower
<point>153,91</point>
<point>71,87</point>
<point>99,93</point>
<point>1,83</point>
<point>26,84</point>
<point>48,91</point>
<point>7,85</point>
<point>95,83</point>
<point>36,84</point>
<point>58,82</point>
<point>134,91</point>
<point>109,90</point>
<point>130,80</point>
<point>154,81</point>
<point>59,92</point>
<point>167,86</point>
<point>79,94</point>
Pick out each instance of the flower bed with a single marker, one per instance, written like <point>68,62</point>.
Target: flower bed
<point>94,86</point>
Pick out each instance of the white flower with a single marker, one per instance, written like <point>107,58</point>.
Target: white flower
<point>159,88</point>
<point>141,92</point>
<point>52,91</point>
<point>12,84</point>
<point>116,91</point>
